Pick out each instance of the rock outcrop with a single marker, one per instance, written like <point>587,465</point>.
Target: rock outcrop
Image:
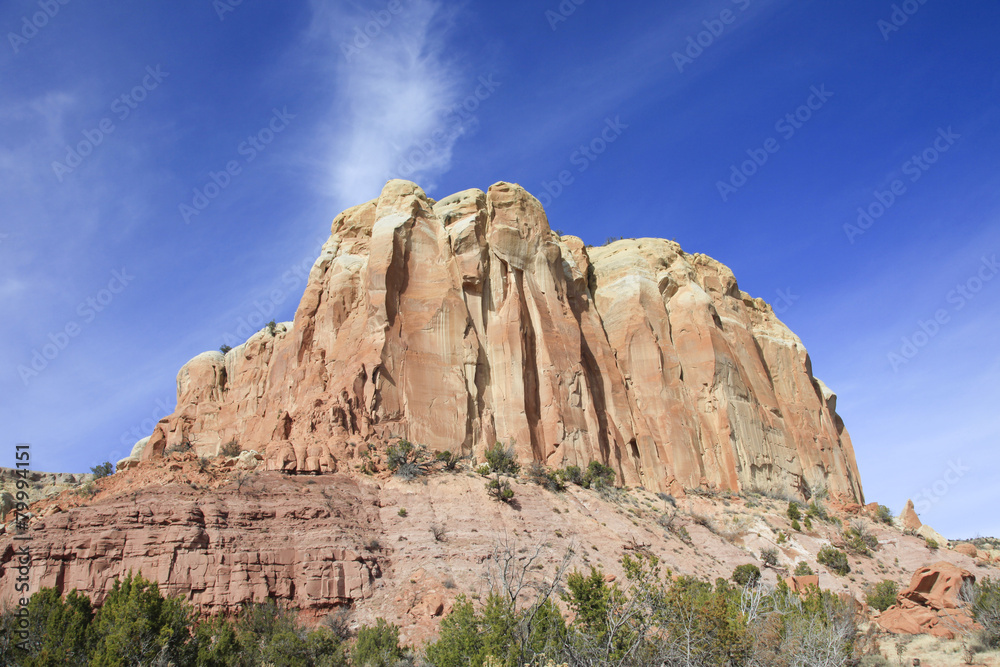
<point>34,486</point>
<point>219,550</point>
<point>466,321</point>
<point>909,519</point>
<point>932,604</point>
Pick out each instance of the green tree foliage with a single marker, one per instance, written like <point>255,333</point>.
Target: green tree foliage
<point>835,559</point>
<point>598,476</point>
<point>646,618</point>
<point>103,470</point>
<point>377,645</point>
<point>882,595</point>
<point>803,569</point>
<point>58,630</point>
<point>136,625</point>
<point>883,514</point>
<point>793,511</point>
<point>746,574</point>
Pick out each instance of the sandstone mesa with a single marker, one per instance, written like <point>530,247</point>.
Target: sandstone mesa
<point>463,322</point>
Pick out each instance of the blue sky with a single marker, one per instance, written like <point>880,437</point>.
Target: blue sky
<point>204,147</point>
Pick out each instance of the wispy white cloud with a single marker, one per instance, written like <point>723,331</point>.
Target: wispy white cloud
<point>396,87</point>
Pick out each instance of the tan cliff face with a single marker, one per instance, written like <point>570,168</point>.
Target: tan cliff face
<point>466,321</point>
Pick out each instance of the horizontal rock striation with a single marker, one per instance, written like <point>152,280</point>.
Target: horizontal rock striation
<point>466,321</point>
<point>218,550</point>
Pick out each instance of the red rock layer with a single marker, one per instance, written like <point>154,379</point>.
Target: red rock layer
<point>218,550</point>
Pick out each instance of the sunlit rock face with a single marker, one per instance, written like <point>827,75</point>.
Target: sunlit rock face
<point>466,321</point>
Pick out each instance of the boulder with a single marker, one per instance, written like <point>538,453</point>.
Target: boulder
<point>801,584</point>
<point>966,549</point>
<point>929,534</point>
<point>931,604</point>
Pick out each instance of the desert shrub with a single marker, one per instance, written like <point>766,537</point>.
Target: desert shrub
<point>502,460</point>
<point>87,490</point>
<point>769,556</point>
<point>545,478</point>
<point>572,475</point>
<point>598,476</point>
<point>793,511</point>
<point>500,489</point>
<point>449,460</point>
<point>272,327</point>
<point>882,595</point>
<point>230,449</point>
<point>406,460</point>
<point>803,569</point>
<point>795,525</point>
<point>883,514</point>
<point>835,559</point>
<point>204,464</point>
<point>501,463</point>
<point>860,539</point>
<point>807,522</point>
<point>931,543</point>
<point>984,601</point>
<point>224,349</point>
<point>402,512</point>
<point>377,645</point>
<point>103,470</point>
<point>181,447</point>
<point>667,498</point>
<point>817,511</point>
<point>338,622</point>
<point>746,574</point>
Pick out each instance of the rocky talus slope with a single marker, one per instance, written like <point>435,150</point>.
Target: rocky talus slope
<point>466,321</point>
